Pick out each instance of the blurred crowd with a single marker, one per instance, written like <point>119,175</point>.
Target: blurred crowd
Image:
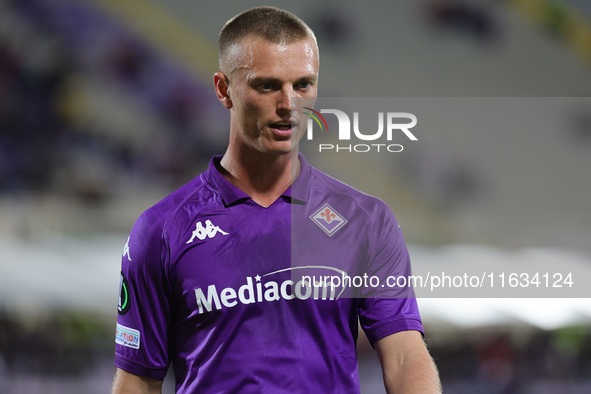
<point>516,360</point>
<point>89,110</point>
<point>61,353</point>
<point>63,344</point>
<point>57,59</point>
<point>485,360</point>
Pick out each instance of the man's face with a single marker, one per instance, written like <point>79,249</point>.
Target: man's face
<point>265,79</point>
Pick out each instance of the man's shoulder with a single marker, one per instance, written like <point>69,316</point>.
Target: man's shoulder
<point>324,183</point>
<point>197,191</point>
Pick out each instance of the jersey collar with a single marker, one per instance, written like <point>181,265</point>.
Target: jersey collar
<point>231,195</point>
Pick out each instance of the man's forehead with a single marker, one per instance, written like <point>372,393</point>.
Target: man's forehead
<point>251,48</point>
<point>254,40</point>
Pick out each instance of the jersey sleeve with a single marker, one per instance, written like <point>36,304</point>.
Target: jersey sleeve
<point>387,309</point>
<point>144,310</point>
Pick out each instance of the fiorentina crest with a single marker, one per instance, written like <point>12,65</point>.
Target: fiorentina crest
<point>329,220</point>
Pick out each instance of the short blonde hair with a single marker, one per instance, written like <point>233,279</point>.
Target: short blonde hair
<point>270,23</point>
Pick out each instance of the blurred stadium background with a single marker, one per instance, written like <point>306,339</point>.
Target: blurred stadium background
<point>106,106</point>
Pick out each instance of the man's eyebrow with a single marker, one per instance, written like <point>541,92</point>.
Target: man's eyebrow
<point>263,80</point>
<point>271,80</point>
<point>308,78</point>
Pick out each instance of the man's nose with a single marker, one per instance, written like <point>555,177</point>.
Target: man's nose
<point>285,100</point>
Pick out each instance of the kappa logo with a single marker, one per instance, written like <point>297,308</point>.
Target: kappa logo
<point>329,220</point>
<point>209,231</point>
<point>126,249</point>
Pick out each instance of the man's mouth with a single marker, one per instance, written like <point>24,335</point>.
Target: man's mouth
<point>282,126</point>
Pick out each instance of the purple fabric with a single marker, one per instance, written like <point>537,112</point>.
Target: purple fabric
<point>213,287</point>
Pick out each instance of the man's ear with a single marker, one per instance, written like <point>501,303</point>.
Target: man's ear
<point>222,89</point>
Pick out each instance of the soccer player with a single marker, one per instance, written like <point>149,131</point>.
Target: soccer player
<point>209,278</point>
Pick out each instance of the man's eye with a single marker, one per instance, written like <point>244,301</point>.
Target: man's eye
<point>266,86</point>
<point>304,85</point>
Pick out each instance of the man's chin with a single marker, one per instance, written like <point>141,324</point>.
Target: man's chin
<point>280,148</point>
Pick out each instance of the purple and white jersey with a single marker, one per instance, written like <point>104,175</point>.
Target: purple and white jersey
<point>213,283</point>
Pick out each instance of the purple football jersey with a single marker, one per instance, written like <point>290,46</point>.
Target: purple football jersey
<point>216,285</point>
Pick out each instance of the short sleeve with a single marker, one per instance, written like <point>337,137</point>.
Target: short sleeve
<point>144,309</point>
<point>387,309</point>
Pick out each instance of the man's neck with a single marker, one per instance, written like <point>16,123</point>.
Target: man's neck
<point>264,178</point>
